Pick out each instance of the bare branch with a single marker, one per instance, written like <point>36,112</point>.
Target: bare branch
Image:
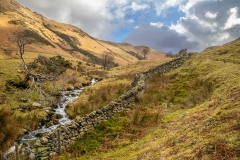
<point>107,60</point>
<point>145,52</point>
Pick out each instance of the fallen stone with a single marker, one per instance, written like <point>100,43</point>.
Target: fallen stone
<point>44,140</point>
<point>36,104</point>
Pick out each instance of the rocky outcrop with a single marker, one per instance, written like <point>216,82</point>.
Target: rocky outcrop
<point>49,144</point>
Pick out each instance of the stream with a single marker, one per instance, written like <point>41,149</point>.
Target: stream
<point>65,98</point>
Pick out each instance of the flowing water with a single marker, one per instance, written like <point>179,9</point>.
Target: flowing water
<point>65,98</point>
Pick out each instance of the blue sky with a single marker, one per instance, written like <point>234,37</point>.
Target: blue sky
<point>166,25</point>
<point>172,16</point>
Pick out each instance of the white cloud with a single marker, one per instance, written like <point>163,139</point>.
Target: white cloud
<point>201,27</point>
<point>178,27</point>
<point>211,15</point>
<point>233,19</point>
<point>204,23</point>
<point>162,7</point>
<point>130,21</point>
<point>137,7</point>
<point>158,24</point>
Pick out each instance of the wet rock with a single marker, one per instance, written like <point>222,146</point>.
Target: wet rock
<point>50,113</point>
<point>70,88</point>
<point>58,116</point>
<point>39,134</point>
<point>25,131</point>
<point>85,84</point>
<point>74,95</point>
<point>49,124</point>
<point>54,106</point>
<point>55,122</point>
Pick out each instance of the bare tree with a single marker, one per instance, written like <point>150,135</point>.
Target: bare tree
<point>107,60</point>
<point>145,52</point>
<point>22,39</point>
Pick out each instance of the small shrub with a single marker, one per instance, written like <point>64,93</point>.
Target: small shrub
<point>222,52</point>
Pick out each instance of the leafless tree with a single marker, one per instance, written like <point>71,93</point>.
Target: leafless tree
<point>22,39</point>
<point>145,52</point>
<point>107,60</point>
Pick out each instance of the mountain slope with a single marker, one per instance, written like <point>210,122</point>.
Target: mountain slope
<point>59,38</point>
<point>192,112</point>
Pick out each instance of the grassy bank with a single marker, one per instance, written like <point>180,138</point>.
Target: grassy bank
<point>189,113</point>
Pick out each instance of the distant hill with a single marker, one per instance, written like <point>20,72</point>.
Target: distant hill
<point>59,38</point>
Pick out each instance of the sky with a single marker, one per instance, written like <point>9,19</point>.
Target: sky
<point>165,25</point>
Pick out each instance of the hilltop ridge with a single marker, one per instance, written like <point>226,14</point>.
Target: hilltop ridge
<point>59,38</point>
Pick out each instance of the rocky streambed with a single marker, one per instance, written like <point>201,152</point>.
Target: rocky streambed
<point>61,118</point>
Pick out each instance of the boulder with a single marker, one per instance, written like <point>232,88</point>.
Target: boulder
<point>55,122</point>
<point>39,134</point>
<point>36,104</point>
<point>58,116</point>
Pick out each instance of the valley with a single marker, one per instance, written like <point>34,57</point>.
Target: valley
<point>146,104</point>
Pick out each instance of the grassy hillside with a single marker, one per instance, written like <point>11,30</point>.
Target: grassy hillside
<point>192,112</point>
<point>17,113</point>
<point>15,120</point>
<point>53,39</point>
<point>58,38</point>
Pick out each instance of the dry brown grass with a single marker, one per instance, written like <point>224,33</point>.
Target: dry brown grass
<point>63,46</point>
<point>97,98</point>
<point>9,129</point>
<point>198,113</point>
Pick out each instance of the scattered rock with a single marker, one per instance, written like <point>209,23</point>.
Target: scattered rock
<point>55,122</point>
<point>58,116</point>
<point>74,95</point>
<point>36,104</point>
<point>49,124</point>
<point>71,88</point>
<point>22,106</point>
<point>24,100</point>
<point>44,140</point>
<point>32,156</point>
<point>39,134</point>
<point>51,113</point>
<point>25,131</point>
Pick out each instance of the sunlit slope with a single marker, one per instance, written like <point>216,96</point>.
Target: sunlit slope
<point>192,112</point>
<point>59,38</point>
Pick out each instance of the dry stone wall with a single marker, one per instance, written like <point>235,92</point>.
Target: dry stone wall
<point>50,144</point>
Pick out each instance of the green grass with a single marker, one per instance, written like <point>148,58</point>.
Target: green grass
<point>189,113</point>
<point>13,121</point>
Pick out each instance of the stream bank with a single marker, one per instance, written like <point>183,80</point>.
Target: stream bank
<point>23,144</point>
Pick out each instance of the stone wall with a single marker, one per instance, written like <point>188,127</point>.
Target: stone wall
<point>49,144</point>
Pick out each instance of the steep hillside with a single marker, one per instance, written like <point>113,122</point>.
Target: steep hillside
<point>58,38</point>
<point>192,112</point>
